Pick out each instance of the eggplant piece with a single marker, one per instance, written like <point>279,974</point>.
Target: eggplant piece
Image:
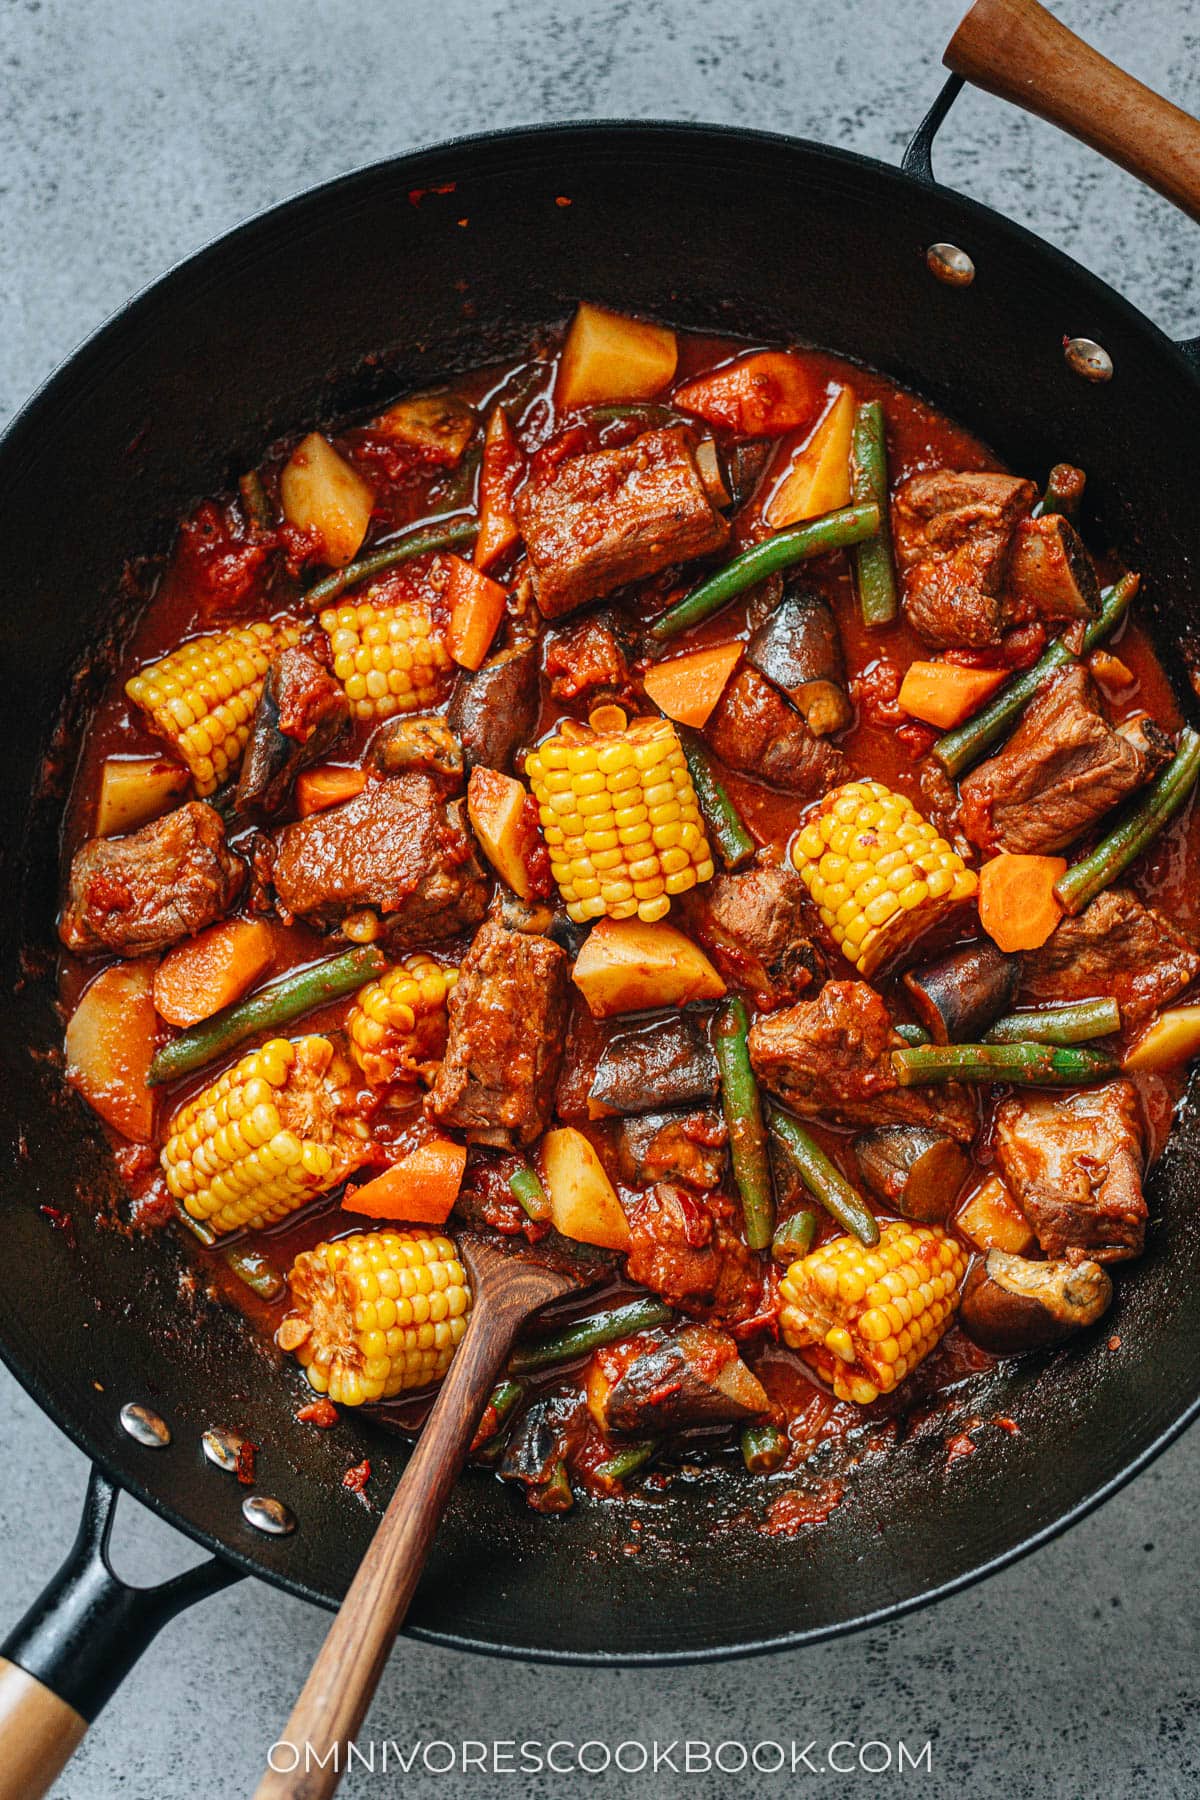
<point>672,1146</point>
<point>798,648</point>
<point>667,1063</point>
<point>959,995</point>
<point>708,464</point>
<point>494,711</point>
<point>301,713</point>
<point>1050,574</point>
<point>694,1378</point>
<point>747,463</point>
<point>915,1171</point>
<point>536,1454</point>
<point>426,744</point>
<point>1011,1304</point>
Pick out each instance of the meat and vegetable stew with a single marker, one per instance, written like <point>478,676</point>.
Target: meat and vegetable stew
<point>681,806</point>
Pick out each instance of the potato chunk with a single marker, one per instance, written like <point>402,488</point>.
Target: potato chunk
<point>627,965</point>
<point>323,494</point>
<point>610,357</point>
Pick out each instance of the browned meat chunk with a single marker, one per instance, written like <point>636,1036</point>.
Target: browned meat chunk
<point>588,658</point>
<point>685,1249</point>
<point>138,894</point>
<point>1061,770</point>
<point>756,730</point>
<point>1116,946</point>
<point>685,1147</point>
<point>396,847</point>
<point>301,713</point>
<point>830,1058</point>
<point>1050,574</point>
<point>591,523</point>
<point>1074,1163</point>
<point>508,1015</point>
<point>953,532</point>
<point>754,924</point>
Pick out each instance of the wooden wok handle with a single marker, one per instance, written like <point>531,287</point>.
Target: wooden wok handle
<point>338,1691</point>
<point>1016,49</point>
<point>39,1733</point>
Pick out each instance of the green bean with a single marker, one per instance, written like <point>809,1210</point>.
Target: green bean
<point>443,533</point>
<point>1062,493</point>
<point>652,411</point>
<point>835,531</point>
<point>277,1004</point>
<point>1025,1065</point>
<point>254,499</point>
<point>1073,1023</point>
<point>246,1261</point>
<point>823,1179</point>
<point>504,1397</point>
<point>255,1268</point>
<point>529,1191</point>
<point>957,749</point>
<point>912,1034</point>
<point>203,1233</point>
<point>794,1237</point>
<point>764,1448</point>
<point>1140,826</point>
<point>734,844</point>
<point>626,1462</point>
<point>459,490</point>
<point>744,1121</point>
<point>875,576</point>
<point>588,1334</point>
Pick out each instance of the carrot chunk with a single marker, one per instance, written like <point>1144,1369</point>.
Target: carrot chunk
<point>420,1189</point>
<point>197,978</point>
<point>476,608</point>
<point>945,693</point>
<point>760,396</point>
<point>1018,907</point>
<point>501,470</point>
<point>327,785</point>
<point>688,687</point>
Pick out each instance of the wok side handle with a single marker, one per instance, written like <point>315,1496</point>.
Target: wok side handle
<point>75,1645</point>
<point>1020,52</point>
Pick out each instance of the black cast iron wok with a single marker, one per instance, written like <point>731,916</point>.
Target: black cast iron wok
<point>269,329</point>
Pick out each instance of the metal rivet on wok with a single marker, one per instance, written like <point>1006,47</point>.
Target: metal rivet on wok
<point>1088,359</point>
<point>222,1448</point>
<point>268,1515</point>
<point>145,1427</point>
<point>950,264</point>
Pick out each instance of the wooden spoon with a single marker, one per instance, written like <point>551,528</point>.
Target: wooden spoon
<point>506,1287</point>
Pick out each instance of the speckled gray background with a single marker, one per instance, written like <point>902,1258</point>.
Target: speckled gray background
<point>130,133</point>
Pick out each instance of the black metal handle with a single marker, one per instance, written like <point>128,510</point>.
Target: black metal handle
<point>87,1627</point>
<point>917,161</point>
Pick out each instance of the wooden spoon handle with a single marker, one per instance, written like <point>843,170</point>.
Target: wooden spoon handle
<point>39,1733</point>
<point>1016,49</point>
<point>338,1691</point>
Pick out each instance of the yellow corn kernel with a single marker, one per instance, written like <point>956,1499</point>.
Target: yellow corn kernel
<point>389,659</point>
<point>264,1138</point>
<point>878,873</point>
<point>396,1028</point>
<point>376,1314</point>
<point>865,1318</point>
<point>201,697</point>
<point>628,833</point>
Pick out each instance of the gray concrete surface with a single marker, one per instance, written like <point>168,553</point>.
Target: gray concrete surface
<point>131,132</point>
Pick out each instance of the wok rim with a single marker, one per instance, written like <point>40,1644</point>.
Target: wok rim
<point>190,266</point>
